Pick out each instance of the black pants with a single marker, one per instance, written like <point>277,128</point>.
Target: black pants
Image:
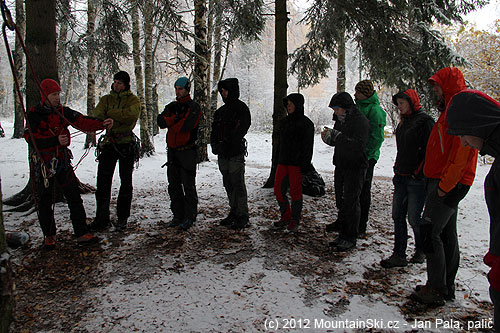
<point>107,162</point>
<point>68,184</point>
<point>348,185</point>
<point>181,175</point>
<point>365,198</point>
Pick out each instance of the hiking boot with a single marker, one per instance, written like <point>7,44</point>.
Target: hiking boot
<point>344,245</point>
<point>99,225</point>
<point>240,223</point>
<point>175,222</point>
<point>280,224</point>
<point>121,225</point>
<point>394,261</point>
<point>334,242</point>
<point>226,222</point>
<point>334,226</point>
<point>450,296</point>
<point>426,294</point>
<point>188,223</point>
<point>87,238</point>
<point>418,257</point>
<point>293,225</point>
<point>49,243</point>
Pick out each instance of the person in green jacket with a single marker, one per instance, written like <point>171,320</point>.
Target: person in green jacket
<point>369,105</point>
<point>118,145</point>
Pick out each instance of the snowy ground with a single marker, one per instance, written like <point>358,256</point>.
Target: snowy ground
<point>211,279</point>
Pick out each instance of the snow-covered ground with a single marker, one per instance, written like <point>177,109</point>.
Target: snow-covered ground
<point>250,281</point>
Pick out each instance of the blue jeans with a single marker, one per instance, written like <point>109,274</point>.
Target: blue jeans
<point>409,198</point>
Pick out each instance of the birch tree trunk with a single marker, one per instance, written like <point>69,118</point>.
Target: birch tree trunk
<point>139,78</point>
<point>341,63</point>
<point>90,140</point>
<point>217,43</point>
<point>201,76</point>
<point>147,145</point>
<point>63,34</point>
<point>280,81</point>
<point>18,57</point>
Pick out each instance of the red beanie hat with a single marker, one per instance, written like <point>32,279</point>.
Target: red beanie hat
<point>48,87</point>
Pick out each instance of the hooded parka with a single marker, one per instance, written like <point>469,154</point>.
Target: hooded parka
<point>412,134</point>
<point>231,122</point>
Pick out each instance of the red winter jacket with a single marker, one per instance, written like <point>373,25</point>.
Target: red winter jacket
<point>181,118</point>
<point>48,123</point>
<point>446,159</point>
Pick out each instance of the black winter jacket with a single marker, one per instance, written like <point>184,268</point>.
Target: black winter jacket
<point>231,122</point>
<point>412,134</point>
<point>296,136</point>
<point>474,113</point>
<point>350,145</point>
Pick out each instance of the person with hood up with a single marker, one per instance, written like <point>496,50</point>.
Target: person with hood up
<point>118,145</point>
<point>47,133</point>
<point>450,169</point>
<point>349,137</point>
<point>295,151</point>
<point>229,127</point>
<point>475,118</point>
<point>182,118</point>
<point>409,195</point>
<point>368,104</point>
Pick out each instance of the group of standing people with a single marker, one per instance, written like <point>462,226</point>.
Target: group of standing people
<point>434,166</point>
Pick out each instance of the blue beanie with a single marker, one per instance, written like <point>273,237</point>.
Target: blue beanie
<point>183,82</point>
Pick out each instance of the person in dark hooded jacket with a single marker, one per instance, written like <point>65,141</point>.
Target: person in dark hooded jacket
<point>296,142</point>
<point>349,137</point>
<point>475,117</point>
<point>229,127</point>
<point>412,134</point>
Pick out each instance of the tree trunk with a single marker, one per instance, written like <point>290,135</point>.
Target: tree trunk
<point>18,57</point>
<point>41,47</point>
<point>6,278</point>
<point>139,79</point>
<point>341,63</point>
<point>147,143</point>
<point>280,81</point>
<point>90,140</point>
<point>210,37</point>
<point>201,76</point>
<point>63,34</point>
<point>217,43</point>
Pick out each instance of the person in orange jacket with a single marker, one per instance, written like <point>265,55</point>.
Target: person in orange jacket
<point>450,169</point>
<point>475,118</point>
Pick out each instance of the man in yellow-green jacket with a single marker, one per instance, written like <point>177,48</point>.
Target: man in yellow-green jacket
<point>118,145</point>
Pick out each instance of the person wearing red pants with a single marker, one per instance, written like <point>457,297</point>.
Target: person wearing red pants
<point>295,150</point>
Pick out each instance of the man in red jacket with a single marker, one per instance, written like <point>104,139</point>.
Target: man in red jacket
<point>450,169</point>
<point>48,135</point>
<point>182,118</point>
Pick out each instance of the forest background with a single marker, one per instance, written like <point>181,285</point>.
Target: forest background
<point>316,47</point>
